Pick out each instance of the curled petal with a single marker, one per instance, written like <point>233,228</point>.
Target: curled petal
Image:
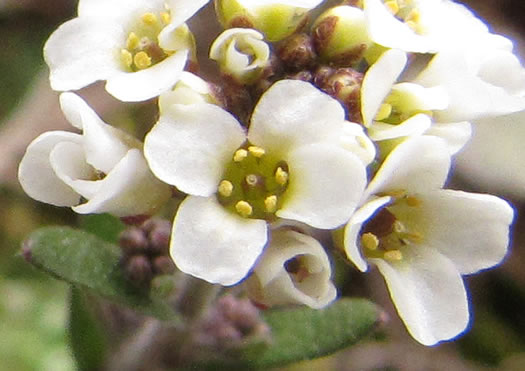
<point>210,243</point>
<point>415,125</point>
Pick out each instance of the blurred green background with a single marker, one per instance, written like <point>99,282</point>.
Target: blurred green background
<point>33,306</point>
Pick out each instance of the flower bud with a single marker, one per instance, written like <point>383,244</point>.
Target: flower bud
<point>241,53</point>
<point>138,270</point>
<point>276,19</point>
<point>297,52</point>
<point>133,240</point>
<point>340,35</point>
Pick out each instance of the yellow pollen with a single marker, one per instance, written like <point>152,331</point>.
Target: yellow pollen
<point>133,41</point>
<point>370,241</point>
<point>281,176</point>
<point>225,188</point>
<point>165,17</point>
<point>413,201</point>
<point>270,203</point>
<point>142,60</point>
<point>384,112</point>
<point>126,57</point>
<point>256,151</point>
<point>393,255</point>
<point>413,16</point>
<point>244,208</point>
<point>150,19</point>
<point>240,155</point>
<point>392,6</point>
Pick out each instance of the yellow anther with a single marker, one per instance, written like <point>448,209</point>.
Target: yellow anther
<point>225,188</point>
<point>270,203</point>
<point>133,41</point>
<point>251,180</point>
<point>392,6</point>
<point>165,17</point>
<point>142,60</point>
<point>240,155</point>
<point>413,237</point>
<point>149,19</point>
<point>281,176</point>
<point>414,16</point>
<point>398,227</point>
<point>413,201</point>
<point>256,151</point>
<point>384,112</point>
<point>362,142</point>
<point>244,208</point>
<point>393,255</point>
<point>126,58</point>
<point>370,241</point>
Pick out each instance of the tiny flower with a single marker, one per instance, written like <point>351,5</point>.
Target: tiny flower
<point>277,19</point>
<point>101,171</point>
<point>293,269</point>
<point>293,163</point>
<point>140,47</point>
<point>422,238</point>
<point>241,53</point>
<point>393,110</point>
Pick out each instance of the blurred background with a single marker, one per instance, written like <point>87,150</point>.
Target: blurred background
<point>33,306</point>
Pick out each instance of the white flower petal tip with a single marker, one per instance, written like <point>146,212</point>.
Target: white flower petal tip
<point>59,168</point>
<point>190,89</point>
<point>140,47</point>
<point>210,243</point>
<point>294,269</point>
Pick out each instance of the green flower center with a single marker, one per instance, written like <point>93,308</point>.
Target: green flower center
<point>253,183</point>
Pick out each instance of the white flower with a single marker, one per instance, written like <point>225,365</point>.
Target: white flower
<point>393,110</point>
<point>190,89</point>
<point>139,46</point>
<point>481,80</point>
<point>104,166</point>
<point>291,164</point>
<point>423,238</point>
<point>241,53</point>
<point>422,26</point>
<point>294,269</point>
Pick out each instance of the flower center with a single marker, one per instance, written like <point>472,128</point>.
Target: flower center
<point>390,230</point>
<point>407,12</point>
<point>253,183</point>
<point>142,49</point>
<point>397,108</point>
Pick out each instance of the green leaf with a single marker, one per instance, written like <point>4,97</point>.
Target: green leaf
<point>85,260</point>
<point>86,336</point>
<point>302,333</point>
<point>104,226</point>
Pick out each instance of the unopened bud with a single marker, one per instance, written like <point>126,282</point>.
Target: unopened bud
<point>163,265</point>
<point>138,270</point>
<point>297,52</point>
<point>133,240</point>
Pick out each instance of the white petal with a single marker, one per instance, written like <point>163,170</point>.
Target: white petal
<point>278,287</point>
<point>104,145</point>
<point>456,134</point>
<point>82,51</point>
<point>428,293</point>
<point>180,11</point>
<point>388,31</point>
<point>354,139</point>
<point>378,82</point>
<point>210,243</point>
<point>352,229</point>
<point>325,186</point>
<point>190,146</point>
<point>150,82</point>
<point>293,113</point>
<point>417,165</point>
<point>411,97</point>
<point>37,177</point>
<point>117,9</point>
<point>415,125</point>
<point>129,189</point>
<point>305,4</point>
<point>471,229</point>
<point>493,159</point>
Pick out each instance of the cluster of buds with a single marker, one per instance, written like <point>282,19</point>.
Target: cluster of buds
<point>346,123</point>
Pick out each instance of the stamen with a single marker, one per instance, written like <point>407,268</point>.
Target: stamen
<point>149,19</point>
<point>393,255</point>
<point>126,58</point>
<point>225,188</point>
<point>270,203</point>
<point>252,180</point>
<point>370,241</point>
<point>244,208</point>
<point>142,60</point>
<point>133,41</point>
<point>384,112</point>
<point>413,237</point>
<point>413,201</point>
<point>240,155</point>
<point>281,176</point>
<point>392,6</point>
<point>256,151</point>
<point>165,17</point>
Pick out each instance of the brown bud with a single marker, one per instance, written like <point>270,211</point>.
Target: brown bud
<point>163,265</point>
<point>133,240</point>
<point>297,52</point>
<point>138,270</point>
